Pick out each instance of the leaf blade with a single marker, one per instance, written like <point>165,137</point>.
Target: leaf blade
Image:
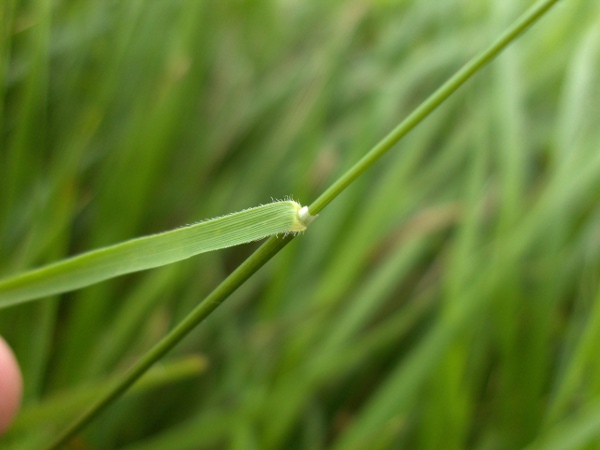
<point>152,251</point>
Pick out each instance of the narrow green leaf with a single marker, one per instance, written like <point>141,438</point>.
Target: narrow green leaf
<point>155,250</point>
<point>58,407</point>
<point>380,409</point>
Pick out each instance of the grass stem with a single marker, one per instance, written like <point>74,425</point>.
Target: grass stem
<point>273,245</point>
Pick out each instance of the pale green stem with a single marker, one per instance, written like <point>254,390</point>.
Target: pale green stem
<point>274,245</point>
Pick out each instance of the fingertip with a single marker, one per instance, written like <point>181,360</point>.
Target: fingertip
<point>11,386</point>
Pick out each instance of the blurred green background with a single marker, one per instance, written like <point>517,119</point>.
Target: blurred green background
<point>448,299</point>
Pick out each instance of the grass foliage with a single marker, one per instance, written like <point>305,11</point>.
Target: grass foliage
<point>148,252</point>
<point>448,299</point>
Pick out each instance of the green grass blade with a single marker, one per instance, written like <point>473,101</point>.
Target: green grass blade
<point>152,251</point>
<point>580,430</point>
<point>58,407</point>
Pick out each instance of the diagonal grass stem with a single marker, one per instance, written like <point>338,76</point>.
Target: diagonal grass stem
<point>273,245</point>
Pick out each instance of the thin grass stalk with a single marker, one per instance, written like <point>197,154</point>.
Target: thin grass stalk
<point>273,245</point>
